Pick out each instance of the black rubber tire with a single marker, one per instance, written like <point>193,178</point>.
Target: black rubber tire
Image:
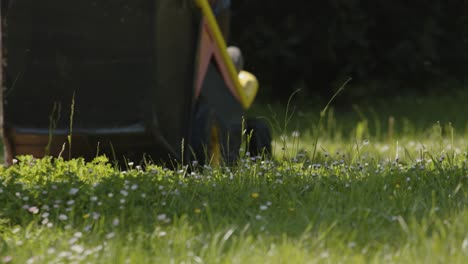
<point>230,138</point>
<point>260,141</point>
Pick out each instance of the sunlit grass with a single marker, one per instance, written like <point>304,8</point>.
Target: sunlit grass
<point>367,197</point>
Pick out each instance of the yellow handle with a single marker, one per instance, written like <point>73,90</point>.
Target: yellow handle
<point>219,39</point>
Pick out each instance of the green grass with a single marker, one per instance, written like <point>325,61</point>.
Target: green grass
<point>394,196</point>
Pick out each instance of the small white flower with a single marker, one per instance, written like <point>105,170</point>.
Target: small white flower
<point>51,251</point>
<point>87,228</point>
<point>63,217</point>
<point>77,248</point>
<point>73,191</point>
<point>78,234</point>
<point>110,235</point>
<point>122,200</point>
<point>26,198</point>
<point>143,195</point>
<point>124,193</point>
<point>1,190</point>
<point>134,187</point>
<point>54,187</point>
<point>45,221</point>
<point>162,234</point>
<point>50,225</point>
<point>96,215</point>
<point>71,202</point>
<point>263,207</point>
<point>8,259</point>
<point>296,134</point>
<point>268,203</point>
<point>110,195</point>
<point>258,217</point>
<point>33,210</point>
<point>162,217</point>
<point>130,163</point>
<point>94,198</point>
<point>72,240</point>
<point>15,161</point>
<point>115,222</point>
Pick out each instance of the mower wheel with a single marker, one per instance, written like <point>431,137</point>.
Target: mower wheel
<point>260,140</point>
<point>212,141</point>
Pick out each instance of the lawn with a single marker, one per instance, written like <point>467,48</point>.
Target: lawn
<point>384,182</point>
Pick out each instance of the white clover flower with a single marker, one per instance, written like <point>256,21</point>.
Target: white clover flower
<point>71,202</point>
<point>130,163</point>
<point>263,207</point>
<point>1,190</point>
<point>87,228</point>
<point>15,161</point>
<point>45,215</point>
<point>26,207</point>
<point>258,217</point>
<point>115,222</point>
<point>124,193</point>
<point>138,167</point>
<point>50,251</point>
<point>63,217</point>
<point>94,198</point>
<point>268,203</point>
<point>134,187</point>
<point>17,194</point>
<point>143,195</point>
<point>50,225</point>
<point>110,195</point>
<point>78,234</point>
<point>45,221</point>
<point>73,191</point>
<point>33,210</point>
<point>122,200</point>
<point>54,187</point>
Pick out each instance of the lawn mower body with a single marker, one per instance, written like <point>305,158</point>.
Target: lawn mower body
<point>127,79</point>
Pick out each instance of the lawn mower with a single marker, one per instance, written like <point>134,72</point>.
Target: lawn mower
<point>130,79</point>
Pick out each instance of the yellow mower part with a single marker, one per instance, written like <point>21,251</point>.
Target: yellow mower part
<point>249,84</point>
